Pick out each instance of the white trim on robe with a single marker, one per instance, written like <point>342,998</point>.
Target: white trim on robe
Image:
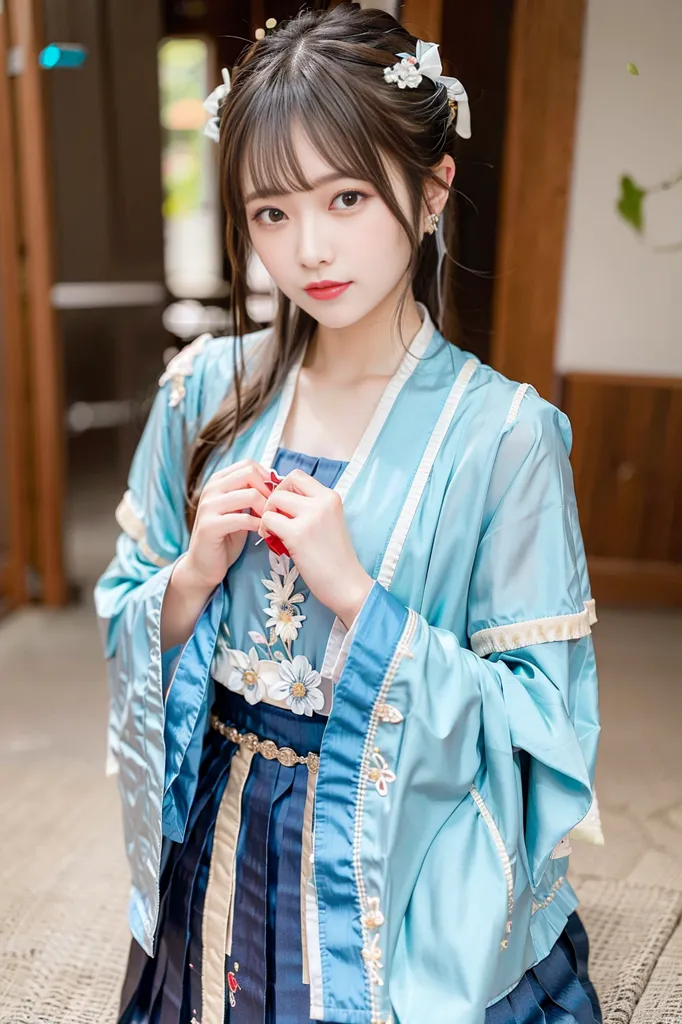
<point>516,635</point>
<point>133,525</point>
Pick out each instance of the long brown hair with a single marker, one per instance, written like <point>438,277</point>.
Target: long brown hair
<point>323,70</point>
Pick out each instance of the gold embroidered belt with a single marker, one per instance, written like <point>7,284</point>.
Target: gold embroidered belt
<point>219,901</point>
<point>266,748</point>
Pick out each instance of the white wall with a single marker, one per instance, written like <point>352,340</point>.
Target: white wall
<point>622,301</point>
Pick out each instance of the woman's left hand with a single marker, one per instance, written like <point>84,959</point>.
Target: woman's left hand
<point>318,541</point>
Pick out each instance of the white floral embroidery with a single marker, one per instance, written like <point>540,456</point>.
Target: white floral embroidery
<point>372,955</point>
<point>282,589</point>
<point>181,366</point>
<point>281,675</point>
<point>380,774</point>
<point>285,620</point>
<point>284,617</point>
<point>299,685</point>
<point>389,713</point>
<point>257,637</point>
<point>373,918</point>
<point>245,673</point>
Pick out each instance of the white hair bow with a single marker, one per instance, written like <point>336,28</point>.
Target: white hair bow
<point>409,71</point>
<point>212,105</point>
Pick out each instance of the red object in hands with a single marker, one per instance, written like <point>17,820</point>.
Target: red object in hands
<point>273,480</point>
<point>274,543</point>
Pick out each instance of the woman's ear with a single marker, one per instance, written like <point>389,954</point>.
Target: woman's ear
<point>436,196</point>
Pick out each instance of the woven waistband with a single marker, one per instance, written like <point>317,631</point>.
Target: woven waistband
<point>266,748</point>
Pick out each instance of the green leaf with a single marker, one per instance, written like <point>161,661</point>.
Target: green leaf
<point>632,68</point>
<point>630,202</point>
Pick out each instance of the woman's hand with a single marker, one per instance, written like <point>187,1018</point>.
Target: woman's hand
<point>230,506</point>
<point>319,543</point>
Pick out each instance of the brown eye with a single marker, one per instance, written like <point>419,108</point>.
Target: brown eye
<point>276,216</point>
<point>349,199</point>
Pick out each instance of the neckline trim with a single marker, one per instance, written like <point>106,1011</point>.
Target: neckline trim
<point>406,368</point>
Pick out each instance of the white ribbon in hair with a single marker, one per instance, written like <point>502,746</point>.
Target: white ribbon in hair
<point>212,105</point>
<point>410,70</point>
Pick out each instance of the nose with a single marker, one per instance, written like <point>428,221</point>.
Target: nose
<point>314,244</point>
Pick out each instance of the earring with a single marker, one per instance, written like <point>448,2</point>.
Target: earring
<point>432,221</point>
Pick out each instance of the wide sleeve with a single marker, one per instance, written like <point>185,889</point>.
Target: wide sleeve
<point>156,728</point>
<point>129,594</point>
<point>523,677</point>
<point>530,616</point>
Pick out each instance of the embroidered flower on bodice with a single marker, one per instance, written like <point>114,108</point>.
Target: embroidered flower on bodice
<point>299,686</point>
<point>285,619</point>
<point>282,612</point>
<point>246,674</point>
<point>282,676</point>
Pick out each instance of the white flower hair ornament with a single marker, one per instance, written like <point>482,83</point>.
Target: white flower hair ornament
<point>213,104</point>
<point>409,71</point>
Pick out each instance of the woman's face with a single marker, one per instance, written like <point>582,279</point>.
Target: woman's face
<point>341,231</point>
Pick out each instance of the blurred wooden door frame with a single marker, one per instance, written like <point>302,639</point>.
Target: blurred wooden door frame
<point>545,58</point>
<point>43,345</point>
<point>13,577</point>
<point>544,75</point>
<point>423,18</point>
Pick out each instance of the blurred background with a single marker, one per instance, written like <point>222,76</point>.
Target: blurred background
<point>569,276</point>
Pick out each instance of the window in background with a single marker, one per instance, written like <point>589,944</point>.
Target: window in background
<point>191,204</point>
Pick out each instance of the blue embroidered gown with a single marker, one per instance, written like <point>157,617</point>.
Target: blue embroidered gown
<point>277,621</point>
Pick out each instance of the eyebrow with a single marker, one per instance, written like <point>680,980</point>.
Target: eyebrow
<point>265,193</point>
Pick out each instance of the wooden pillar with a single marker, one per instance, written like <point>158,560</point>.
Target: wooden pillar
<point>423,18</point>
<point>545,61</point>
<point>13,586</point>
<point>44,346</point>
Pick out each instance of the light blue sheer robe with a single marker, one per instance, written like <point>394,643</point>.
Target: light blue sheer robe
<point>430,895</point>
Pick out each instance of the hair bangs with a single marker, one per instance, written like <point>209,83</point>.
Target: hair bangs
<point>268,156</point>
<point>344,138</point>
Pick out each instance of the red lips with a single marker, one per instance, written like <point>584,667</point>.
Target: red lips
<point>327,289</point>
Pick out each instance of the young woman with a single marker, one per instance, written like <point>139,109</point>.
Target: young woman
<point>350,756</point>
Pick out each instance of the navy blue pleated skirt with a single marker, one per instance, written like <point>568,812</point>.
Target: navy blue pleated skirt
<point>265,968</point>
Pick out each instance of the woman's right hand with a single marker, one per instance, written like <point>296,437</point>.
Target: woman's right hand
<point>230,506</point>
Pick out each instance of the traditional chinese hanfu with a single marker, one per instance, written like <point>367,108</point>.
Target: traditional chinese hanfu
<point>366,825</point>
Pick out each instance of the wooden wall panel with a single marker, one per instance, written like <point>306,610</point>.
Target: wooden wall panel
<point>545,61</point>
<point>628,473</point>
